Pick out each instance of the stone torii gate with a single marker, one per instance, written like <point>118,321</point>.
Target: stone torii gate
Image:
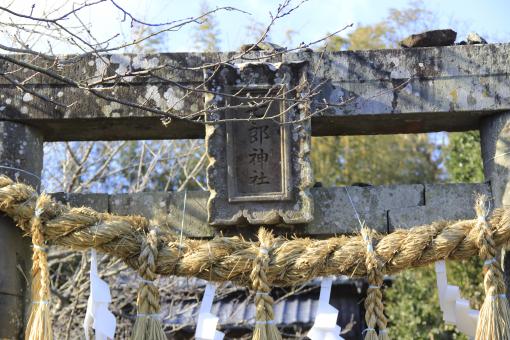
<point>455,88</point>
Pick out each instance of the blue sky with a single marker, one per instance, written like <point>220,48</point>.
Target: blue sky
<point>315,18</point>
<point>311,21</point>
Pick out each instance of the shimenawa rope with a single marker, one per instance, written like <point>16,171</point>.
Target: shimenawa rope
<point>272,261</point>
<point>39,322</point>
<point>291,262</point>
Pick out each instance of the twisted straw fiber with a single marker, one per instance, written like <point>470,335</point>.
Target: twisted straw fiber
<point>374,308</point>
<point>147,325</point>
<point>290,261</point>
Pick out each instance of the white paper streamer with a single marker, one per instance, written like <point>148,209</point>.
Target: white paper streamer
<point>456,311</point>
<point>98,316</point>
<point>207,322</point>
<point>325,327</point>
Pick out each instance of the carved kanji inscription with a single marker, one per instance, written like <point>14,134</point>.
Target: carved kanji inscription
<point>258,150</point>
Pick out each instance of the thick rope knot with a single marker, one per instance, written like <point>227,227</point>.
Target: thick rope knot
<point>148,294</point>
<point>264,315</point>
<point>374,315</point>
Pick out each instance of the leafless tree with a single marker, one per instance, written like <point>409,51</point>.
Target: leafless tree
<point>38,34</point>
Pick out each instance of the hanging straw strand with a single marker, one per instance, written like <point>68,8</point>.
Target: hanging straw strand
<point>147,325</point>
<point>374,307</point>
<point>265,327</point>
<point>39,322</point>
<point>494,319</point>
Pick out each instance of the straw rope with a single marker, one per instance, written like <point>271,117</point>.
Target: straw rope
<point>374,315</point>
<point>494,319</point>
<point>290,262</point>
<point>265,328</point>
<point>39,322</point>
<point>147,325</point>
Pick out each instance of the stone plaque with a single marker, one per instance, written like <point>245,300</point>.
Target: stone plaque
<point>258,150</point>
<point>258,143</point>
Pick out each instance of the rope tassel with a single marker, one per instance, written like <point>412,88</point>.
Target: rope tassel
<point>494,319</point>
<point>39,322</point>
<point>265,327</point>
<point>147,325</point>
<point>374,307</point>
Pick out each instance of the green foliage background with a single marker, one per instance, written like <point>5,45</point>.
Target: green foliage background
<point>412,302</point>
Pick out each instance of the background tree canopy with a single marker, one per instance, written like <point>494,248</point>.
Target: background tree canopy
<point>382,159</point>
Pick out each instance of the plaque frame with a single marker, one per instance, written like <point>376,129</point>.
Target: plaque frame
<point>284,208</point>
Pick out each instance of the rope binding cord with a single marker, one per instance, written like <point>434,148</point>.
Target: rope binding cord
<point>26,172</point>
<point>269,262</point>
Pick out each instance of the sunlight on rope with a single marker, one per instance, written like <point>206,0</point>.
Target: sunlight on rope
<point>260,265</point>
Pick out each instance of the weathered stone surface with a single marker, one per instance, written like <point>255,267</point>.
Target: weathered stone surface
<point>383,208</point>
<point>13,317</point>
<point>430,38</point>
<point>394,91</point>
<point>442,202</point>
<point>334,212</point>
<point>21,148</point>
<point>495,142</point>
<point>182,67</point>
<point>141,203</point>
<point>98,202</point>
<point>15,250</point>
<point>259,168</point>
<point>91,118</point>
<point>20,152</point>
<point>262,46</point>
<point>461,194</point>
<point>166,209</point>
<point>410,90</point>
<point>195,214</point>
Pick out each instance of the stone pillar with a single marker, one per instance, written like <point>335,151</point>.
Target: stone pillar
<point>21,147</point>
<point>495,143</point>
